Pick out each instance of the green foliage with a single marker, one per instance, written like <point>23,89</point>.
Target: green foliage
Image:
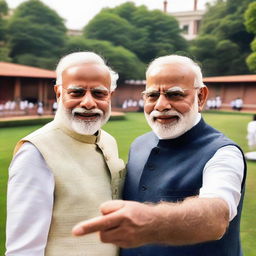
<point>2,29</point>
<point>3,11</point>
<point>251,61</point>
<point>223,23</point>
<point>253,45</point>
<point>3,8</point>
<point>4,54</point>
<point>203,55</point>
<point>110,27</point>
<point>36,31</point>
<point>146,33</point>
<point>25,122</point>
<point>45,62</point>
<point>123,61</point>
<point>250,23</point>
<point>250,18</point>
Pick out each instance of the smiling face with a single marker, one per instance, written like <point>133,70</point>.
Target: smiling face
<point>172,102</point>
<point>84,97</point>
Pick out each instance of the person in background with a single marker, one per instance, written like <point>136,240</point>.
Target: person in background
<point>239,104</point>
<point>185,182</point>
<point>251,133</point>
<point>61,173</point>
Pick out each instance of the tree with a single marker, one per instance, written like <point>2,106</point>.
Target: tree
<point>36,35</point>
<point>123,61</point>
<point>3,12</point>
<point>110,27</point>
<point>250,23</point>
<point>146,33</point>
<point>4,49</point>
<point>224,22</point>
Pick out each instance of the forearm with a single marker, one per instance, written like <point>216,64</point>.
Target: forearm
<point>131,224</point>
<point>195,220</point>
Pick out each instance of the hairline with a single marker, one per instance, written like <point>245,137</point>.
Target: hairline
<point>178,59</point>
<point>80,58</point>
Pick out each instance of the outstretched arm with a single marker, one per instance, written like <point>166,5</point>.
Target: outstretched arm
<point>131,224</point>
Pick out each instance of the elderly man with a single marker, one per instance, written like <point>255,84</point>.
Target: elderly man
<point>187,177</point>
<point>61,173</point>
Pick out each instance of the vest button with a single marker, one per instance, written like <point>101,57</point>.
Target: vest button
<point>151,167</point>
<point>144,188</point>
<point>156,150</point>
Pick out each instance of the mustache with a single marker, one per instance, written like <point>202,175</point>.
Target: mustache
<point>156,113</point>
<point>86,111</point>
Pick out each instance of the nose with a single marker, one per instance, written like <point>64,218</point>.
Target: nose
<point>162,104</point>
<point>88,101</point>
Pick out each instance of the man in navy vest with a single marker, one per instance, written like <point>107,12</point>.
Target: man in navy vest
<point>187,178</point>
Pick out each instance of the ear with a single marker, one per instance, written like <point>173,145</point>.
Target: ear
<point>57,90</point>
<point>202,96</point>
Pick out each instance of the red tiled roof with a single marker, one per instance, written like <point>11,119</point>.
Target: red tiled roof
<point>230,79</point>
<point>17,70</point>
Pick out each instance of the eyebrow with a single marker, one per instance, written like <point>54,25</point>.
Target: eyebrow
<point>172,89</point>
<point>175,89</point>
<point>79,87</point>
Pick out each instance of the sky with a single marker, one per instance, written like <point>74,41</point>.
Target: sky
<point>77,13</point>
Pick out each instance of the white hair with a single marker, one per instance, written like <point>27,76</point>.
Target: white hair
<point>83,58</point>
<point>173,59</point>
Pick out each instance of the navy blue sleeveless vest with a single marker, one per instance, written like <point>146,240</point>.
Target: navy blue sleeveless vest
<point>171,170</point>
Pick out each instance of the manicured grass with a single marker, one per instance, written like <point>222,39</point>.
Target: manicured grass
<point>125,131</point>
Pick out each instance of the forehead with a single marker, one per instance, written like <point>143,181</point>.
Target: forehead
<point>86,75</point>
<point>169,75</point>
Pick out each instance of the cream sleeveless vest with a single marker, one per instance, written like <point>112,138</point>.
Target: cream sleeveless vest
<point>87,172</point>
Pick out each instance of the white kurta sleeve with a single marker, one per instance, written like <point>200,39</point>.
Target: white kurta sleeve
<point>29,203</point>
<point>223,176</point>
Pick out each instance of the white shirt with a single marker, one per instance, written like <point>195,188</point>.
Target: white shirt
<point>31,188</point>
<point>251,134</point>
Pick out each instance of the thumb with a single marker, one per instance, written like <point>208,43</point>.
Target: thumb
<point>111,206</point>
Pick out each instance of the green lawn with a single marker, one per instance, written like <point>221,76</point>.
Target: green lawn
<point>234,126</point>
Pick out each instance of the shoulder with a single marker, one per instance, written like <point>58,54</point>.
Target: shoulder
<point>214,136</point>
<point>144,139</point>
<point>106,135</point>
<point>107,139</point>
<point>28,160</point>
<point>43,131</point>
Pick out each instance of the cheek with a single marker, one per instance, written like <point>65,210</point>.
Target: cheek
<point>183,107</point>
<point>148,108</point>
<point>103,105</point>
<point>69,104</point>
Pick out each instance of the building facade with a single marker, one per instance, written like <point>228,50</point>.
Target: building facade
<point>23,87</point>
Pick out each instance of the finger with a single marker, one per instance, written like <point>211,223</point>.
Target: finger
<point>118,237</point>
<point>96,224</point>
<point>111,206</point>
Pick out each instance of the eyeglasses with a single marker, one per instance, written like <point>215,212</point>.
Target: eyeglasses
<point>98,93</point>
<point>172,94</point>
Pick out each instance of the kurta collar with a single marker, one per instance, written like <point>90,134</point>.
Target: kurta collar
<point>90,139</point>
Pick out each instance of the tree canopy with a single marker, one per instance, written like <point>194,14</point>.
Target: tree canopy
<point>4,49</point>
<point>36,32</point>
<point>146,33</point>
<point>123,61</point>
<point>3,12</point>
<point>250,23</point>
<point>223,26</point>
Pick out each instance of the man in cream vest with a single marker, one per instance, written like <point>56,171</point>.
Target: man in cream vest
<point>62,172</point>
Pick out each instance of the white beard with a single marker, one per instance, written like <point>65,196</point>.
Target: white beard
<point>68,118</point>
<point>175,129</point>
